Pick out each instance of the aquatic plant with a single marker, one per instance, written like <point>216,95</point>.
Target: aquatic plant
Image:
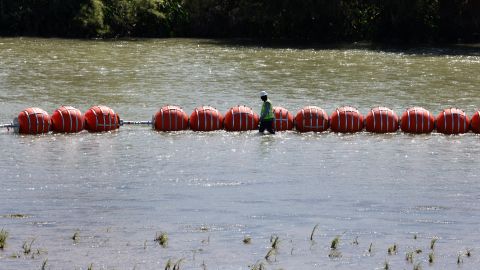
<point>247,239</point>
<point>76,236</point>
<point>386,265</point>
<point>3,238</point>
<point>459,259</point>
<point>162,239</point>
<point>176,266</point>
<point>431,257</point>
<point>409,257</point>
<point>417,266</point>
<point>355,241</point>
<point>432,243</point>
<point>335,242</point>
<point>392,249</point>
<point>275,240</point>
<point>90,267</point>
<point>272,252</point>
<point>44,264</point>
<point>169,264</point>
<point>415,236</point>
<point>27,247</point>
<point>370,248</point>
<point>258,266</point>
<point>313,231</point>
<point>468,252</point>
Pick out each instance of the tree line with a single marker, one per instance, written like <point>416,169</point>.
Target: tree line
<point>397,21</point>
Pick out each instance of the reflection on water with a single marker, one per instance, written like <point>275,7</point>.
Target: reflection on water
<point>209,190</point>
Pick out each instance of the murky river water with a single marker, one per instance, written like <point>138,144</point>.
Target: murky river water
<point>208,191</point>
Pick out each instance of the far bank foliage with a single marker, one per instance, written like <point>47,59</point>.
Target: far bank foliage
<point>403,21</point>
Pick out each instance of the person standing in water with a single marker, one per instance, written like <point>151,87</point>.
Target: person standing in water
<point>266,116</point>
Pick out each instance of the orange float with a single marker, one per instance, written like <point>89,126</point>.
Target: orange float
<point>452,121</point>
<point>241,118</point>
<point>283,119</point>
<point>170,118</point>
<point>33,121</point>
<point>67,119</point>
<point>101,118</point>
<point>417,120</point>
<point>311,118</point>
<point>475,122</point>
<point>381,120</point>
<point>206,118</point>
<point>346,119</point>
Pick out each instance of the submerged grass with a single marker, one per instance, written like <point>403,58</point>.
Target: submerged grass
<point>335,242</point>
<point>162,239</point>
<point>313,232</point>
<point>27,247</point>
<point>3,238</point>
<point>247,240</point>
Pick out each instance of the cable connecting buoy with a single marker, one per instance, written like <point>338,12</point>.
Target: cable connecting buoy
<point>417,120</point>
<point>475,122</point>
<point>241,118</point>
<point>381,120</point>
<point>452,121</point>
<point>33,121</point>
<point>312,118</point>
<point>346,119</point>
<point>67,119</point>
<point>101,118</point>
<point>170,118</point>
<point>283,119</point>
<point>206,118</point>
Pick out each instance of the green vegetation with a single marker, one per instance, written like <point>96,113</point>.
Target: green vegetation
<point>162,239</point>
<point>410,21</point>
<point>3,238</point>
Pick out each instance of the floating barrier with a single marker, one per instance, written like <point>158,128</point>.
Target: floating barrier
<point>33,121</point>
<point>417,120</point>
<point>283,119</point>
<point>381,120</point>
<point>346,120</point>
<point>206,118</point>
<point>101,118</point>
<point>67,119</point>
<point>452,121</point>
<point>475,122</point>
<point>170,118</point>
<point>241,118</point>
<point>311,118</point>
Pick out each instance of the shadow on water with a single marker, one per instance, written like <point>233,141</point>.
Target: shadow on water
<point>418,49</point>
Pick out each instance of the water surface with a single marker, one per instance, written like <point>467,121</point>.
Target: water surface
<point>208,191</point>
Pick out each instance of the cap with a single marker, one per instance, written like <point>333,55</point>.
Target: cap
<point>263,93</point>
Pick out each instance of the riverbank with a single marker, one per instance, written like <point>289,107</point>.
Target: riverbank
<point>410,23</point>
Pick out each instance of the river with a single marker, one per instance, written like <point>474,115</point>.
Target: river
<point>99,200</point>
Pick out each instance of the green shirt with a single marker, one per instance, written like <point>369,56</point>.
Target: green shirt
<point>267,111</point>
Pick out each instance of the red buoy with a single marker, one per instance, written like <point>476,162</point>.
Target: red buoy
<point>206,118</point>
<point>241,118</point>
<point>417,120</point>
<point>346,119</point>
<point>311,118</point>
<point>381,120</point>
<point>475,122</point>
<point>101,118</point>
<point>452,121</point>
<point>67,119</point>
<point>33,121</point>
<point>283,119</point>
<point>170,118</point>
